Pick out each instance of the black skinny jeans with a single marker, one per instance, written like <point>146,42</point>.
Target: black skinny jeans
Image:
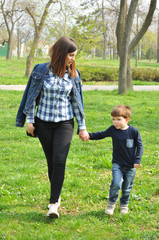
<point>55,139</point>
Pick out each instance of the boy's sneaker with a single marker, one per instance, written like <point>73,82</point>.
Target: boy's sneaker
<point>110,208</point>
<point>124,209</point>
<point>53,213</point>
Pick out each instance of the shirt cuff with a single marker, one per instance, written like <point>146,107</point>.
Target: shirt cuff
<point>30,120</point>
<point>82,125</point>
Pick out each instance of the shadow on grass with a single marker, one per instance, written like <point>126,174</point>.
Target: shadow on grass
<point>24,213</point>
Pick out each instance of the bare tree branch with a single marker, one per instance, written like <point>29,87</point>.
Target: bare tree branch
<point>32,16</point>
<point>145,26</point>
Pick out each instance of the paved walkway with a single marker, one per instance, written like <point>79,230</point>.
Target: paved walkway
<point>89,87</point>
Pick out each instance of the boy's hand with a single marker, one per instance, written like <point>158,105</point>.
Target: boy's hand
<point>137,165</point>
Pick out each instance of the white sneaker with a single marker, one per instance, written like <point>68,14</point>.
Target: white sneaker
<point>124,209</point>
<point>53,213</point>
<point>58,203</point>
<point>110,208</point>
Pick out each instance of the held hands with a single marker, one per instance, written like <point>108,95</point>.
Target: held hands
<point>30,129</point>
<point>83,134</point>
<point>137,165</point>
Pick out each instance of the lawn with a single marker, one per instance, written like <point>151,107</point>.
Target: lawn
<point>24,186</point>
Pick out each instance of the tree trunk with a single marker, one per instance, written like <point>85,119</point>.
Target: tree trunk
<point>9,51</point>
<point>110,52</point>
<point>18,43</point>
<point>104,32</point>
<point>122,85</point>
<point>121,24</point>
<point>122,74</point>
<point>128,46</point>
<point>38,30</point>
<point>136,57</point>
<point>31,54</point>
<point>158,40</point>
<point>114,52</point>
<point>104,46</point>
<point>129,75</point>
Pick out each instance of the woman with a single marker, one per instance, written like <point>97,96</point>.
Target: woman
<point>56,88</point>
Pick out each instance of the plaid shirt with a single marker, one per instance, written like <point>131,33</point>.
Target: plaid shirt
<point>55,103</point>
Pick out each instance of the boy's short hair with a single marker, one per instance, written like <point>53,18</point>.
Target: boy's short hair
<point>121,111</point>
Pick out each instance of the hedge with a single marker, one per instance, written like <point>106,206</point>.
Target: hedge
<point>89,73</point>
<point>148,74</point>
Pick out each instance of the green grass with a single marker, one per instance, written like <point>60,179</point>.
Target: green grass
<point>24,186</point>
<point>115,63</point>
<point>13,71</point>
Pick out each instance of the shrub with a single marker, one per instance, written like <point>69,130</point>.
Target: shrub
<point>98,74</point>
<point>148,74</point>
<point>89,73</point>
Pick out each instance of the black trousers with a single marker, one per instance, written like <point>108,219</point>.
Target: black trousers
<point>55,139</point>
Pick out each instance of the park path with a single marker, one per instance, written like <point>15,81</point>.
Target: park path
<point>89,87</point>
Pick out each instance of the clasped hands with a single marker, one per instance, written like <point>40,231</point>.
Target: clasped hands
<point>83,134</point>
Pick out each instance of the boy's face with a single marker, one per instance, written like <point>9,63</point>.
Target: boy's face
<point>120,122</point>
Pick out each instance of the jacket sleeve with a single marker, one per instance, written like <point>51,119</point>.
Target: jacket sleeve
<point>79,118</point>
<point>31,113</point>
<point>20,119</point>
<point>77,102</point>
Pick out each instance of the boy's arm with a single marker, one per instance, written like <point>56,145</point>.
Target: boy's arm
<point>139,151</point>
<point>100,135</point>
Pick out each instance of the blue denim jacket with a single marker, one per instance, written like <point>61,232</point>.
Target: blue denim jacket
<point>33,89</point>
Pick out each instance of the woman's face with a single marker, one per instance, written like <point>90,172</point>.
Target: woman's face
<point>70,58</point>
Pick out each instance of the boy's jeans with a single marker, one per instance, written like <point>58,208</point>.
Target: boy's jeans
<point>123,178</point>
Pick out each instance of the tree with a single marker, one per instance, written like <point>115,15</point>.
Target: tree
<point>3,35</point>
<point>38,26</point>
<point>148,45</point>
<point>125,46</point>
<point>63,21</point>
<point>24,33</point>
<point>104,29</point>
<point>11,14</point>
<point>97,16</point>
<point>158,40</point>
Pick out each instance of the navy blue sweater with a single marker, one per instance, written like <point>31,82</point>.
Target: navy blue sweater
<point>127,144</point>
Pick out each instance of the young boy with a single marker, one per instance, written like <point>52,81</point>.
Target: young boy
<point>127,152</point>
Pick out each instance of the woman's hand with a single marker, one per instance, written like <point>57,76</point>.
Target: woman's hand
<point>83,134</point>
<point>30,129</point>
<point>137,165</point>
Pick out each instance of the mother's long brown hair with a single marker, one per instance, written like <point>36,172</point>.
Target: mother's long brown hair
<point>58,53</point>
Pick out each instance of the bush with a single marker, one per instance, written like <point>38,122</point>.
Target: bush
<point>89,73</point>
<point>99,74</point>
<point>148,74</point>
